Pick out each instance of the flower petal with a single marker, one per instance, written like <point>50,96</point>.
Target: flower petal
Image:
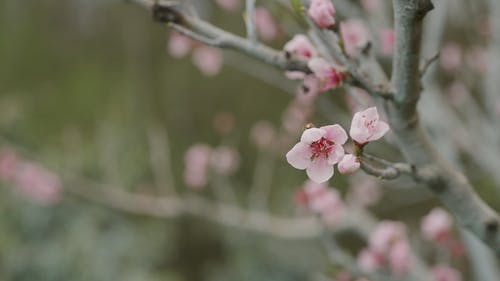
<point>335,133</point>
<point>380,130</point>
<point>311,135</point>
<point>320,170</point>
<point>336,154</point>
<point>299,156</point>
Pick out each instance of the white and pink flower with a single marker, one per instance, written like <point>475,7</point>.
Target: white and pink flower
<point>197,160</point>
<point>178,45</point>
<point>322,12</point>
<point>436,226</point>
<point>366,126</point>
<point>349,164</point>
<point>329,75</point>
<point>318,151</point>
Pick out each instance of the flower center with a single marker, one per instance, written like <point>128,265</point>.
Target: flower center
<point>321,147</point>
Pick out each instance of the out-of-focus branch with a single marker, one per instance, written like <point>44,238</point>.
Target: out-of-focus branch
<point>221,213</point>
<point>389,171</point>
<point>250,20</point>
<point>171,12</point>
<point>450,186</point>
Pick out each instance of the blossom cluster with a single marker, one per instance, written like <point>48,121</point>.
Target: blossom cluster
<point>30,179</point>
<point>321,148</point>
<point>201,159</point>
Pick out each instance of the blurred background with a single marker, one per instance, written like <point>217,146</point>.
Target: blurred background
<point>88,90</point>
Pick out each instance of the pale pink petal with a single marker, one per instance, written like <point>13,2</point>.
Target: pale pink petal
<point>335,133</point>
<point>320,170</point>
<point>380,130</point>
<point>319,66</point>
<point>349,164</point>
<point>336,154</point>
<point>446,273</point>
<point>299,156</point>
<point>436,226</point>
<point>301,46</point>
<point>311,135</point>
<point>400,257</point>
<point>295,75</point>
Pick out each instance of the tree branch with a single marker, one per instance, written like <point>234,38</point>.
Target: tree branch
<point>450,186</point>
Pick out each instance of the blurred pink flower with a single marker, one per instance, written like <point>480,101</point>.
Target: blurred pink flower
<point>208,60</point>
<point>349,164</point>
<point>400,257</point>
<point>386,234</point>
<point>370,260</point>
<point>225,160</point>
<point>363,191</point>
<point>318,150</point>
<point>230,5</point>
<point>386,41</point>
<point>321,12</point>
<point>196,160</point>
<point>178,45</point>
<point>324,201</point>
<point>446,273</point>
<point>370,5</point>
<point>366,126</point>
<point>9,162</point>
<point>265,24</point>
<point>451,57</point>
<point>436,226</point>
<point>262,134</point>
<point>300,46</point>
<point>38,183</point>
<point>354,34</point>
<point>329,75</point>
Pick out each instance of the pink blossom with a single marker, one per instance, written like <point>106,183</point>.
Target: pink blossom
<point>370,260</point>
<point>400,257</point>
<point>386,234</point>
<point>178,45</point>
<point>354,34</point>
<point>366,126</point>
<point>318,150</point>
<point>300,46</point>
<point>230,5</point>
<point>349,164</point>
<point>321,12</point>
<point>9,162</point>
<point>386,41</point>
<point>364,191</point>
<point>225,160</point>
<point>262,134</point>
<point>38,183</point>
<point>446,273</point>
<point>324,201</point>
<point>329,75</point>
<point>436,226</point>
<point>451,57</point>
<point>208,60</point>
<point>370,6</point>
<point>196,162</point>
<point>265,24</point>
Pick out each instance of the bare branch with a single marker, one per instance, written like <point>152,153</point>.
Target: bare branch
<point>250,20</point>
